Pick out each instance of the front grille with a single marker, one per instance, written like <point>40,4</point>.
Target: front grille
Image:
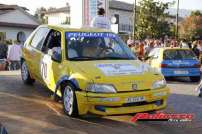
<point>103,108</point>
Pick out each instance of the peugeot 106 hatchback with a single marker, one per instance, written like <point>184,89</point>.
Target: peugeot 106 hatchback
<point>91,71</point>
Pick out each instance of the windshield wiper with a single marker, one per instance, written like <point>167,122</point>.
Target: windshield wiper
<point>82,58</point>
<point>116,58</point>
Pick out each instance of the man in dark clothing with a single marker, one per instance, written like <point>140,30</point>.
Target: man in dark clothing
<point>195,49</point>
<point>3,51</point>
<point>2,129</point>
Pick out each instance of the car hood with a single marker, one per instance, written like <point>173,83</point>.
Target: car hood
<point>121,73</point>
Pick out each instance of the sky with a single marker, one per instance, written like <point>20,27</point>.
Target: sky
<point>33,4</point>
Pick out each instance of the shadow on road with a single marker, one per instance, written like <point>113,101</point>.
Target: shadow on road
<point>180,80</point>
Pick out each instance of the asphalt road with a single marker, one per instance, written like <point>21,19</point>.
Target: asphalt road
<point>30,110</point>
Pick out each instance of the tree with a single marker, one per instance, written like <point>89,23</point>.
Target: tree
<point>196,13</point>
<point>40,14</point>
<point>151,19</point>
<point>191,27</point>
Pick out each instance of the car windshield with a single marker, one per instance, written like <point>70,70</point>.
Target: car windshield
<point>96,46</point>
<point>178,55</point>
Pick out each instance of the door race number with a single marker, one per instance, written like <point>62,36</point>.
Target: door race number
<point>46,66</point>
<point>44,70</point>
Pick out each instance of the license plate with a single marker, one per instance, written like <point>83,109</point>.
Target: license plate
<point>181,72</point>
<point>135,99</point>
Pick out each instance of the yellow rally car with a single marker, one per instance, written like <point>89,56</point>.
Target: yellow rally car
<point>92,71</point>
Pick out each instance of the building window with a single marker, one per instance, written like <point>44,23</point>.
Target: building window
<point>126,28</point>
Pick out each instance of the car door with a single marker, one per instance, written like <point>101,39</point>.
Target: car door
<point>35,50</point>
<point>50,68</point>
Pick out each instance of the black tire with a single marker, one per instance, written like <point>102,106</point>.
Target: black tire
<point>26,78</point>
<point>69,102</point>
<point>195,78</point>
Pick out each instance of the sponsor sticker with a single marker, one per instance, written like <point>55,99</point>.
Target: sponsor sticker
<point>90,34</point>
<point>119,69</point>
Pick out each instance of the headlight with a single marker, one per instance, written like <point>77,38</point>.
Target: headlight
<point>101,88</point>
<point>159,84</point>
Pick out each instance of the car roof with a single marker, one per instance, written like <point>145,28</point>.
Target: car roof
<point>67,28</point>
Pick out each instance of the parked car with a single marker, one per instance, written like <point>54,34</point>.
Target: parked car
<point>175,62</point>
<point>92,71</point>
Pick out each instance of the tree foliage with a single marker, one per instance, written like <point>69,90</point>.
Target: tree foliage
<point>191,27</point>
<point>151,19</point>
<point>40,14</point>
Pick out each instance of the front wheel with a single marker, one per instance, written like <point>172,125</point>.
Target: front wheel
<point>195,78</point>
<point>69,101</point>
<point>26,78</point>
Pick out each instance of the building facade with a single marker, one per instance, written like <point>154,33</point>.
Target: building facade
<point>59,15</point>
<point>15,23</point>
<point>122,9</point>
<point>125,12</point>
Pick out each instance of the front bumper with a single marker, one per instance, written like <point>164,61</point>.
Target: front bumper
<point>113,104</point>
<point>170,72</point>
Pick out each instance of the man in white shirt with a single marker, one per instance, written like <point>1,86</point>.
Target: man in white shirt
<point>14,55</point>
<point>100,21</point>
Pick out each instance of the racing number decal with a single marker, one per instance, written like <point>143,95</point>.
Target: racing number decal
<point>44,70</point>
<point>46,64</point>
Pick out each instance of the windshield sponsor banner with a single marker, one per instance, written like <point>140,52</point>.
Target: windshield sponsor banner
<point>119,69</point>
<point>162,117</point>
<point>90,34</point>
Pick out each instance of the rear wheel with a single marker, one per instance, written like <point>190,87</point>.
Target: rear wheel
<point>69,101</point>
<point>195,78</point>
<point>26,78</point>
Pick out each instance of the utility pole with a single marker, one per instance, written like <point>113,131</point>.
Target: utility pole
<point>177,20</point>
<point>134,18</point>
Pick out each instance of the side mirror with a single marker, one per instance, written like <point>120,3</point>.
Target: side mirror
<point>56,55</point>
<point>147,58</point>
<point>155,57</point>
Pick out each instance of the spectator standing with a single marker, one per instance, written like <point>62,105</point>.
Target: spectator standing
<point>200,45</point>
<point>184,44</point>
<point>100,21</point>
<point>3,56</point>
<point>3,51</point>
<point>130,42</point>
<point>14,55</point>
<point>195,49</point>
<point>149,48</point>
<point>157,44</point>
<point>141,53</point>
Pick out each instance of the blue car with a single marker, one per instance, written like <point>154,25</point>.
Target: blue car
<point>175,62</point>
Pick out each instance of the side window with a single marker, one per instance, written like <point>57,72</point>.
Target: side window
<point>53,41</point>
<point>39,38</point>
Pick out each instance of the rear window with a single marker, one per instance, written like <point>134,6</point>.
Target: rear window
<point>178,55</point>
